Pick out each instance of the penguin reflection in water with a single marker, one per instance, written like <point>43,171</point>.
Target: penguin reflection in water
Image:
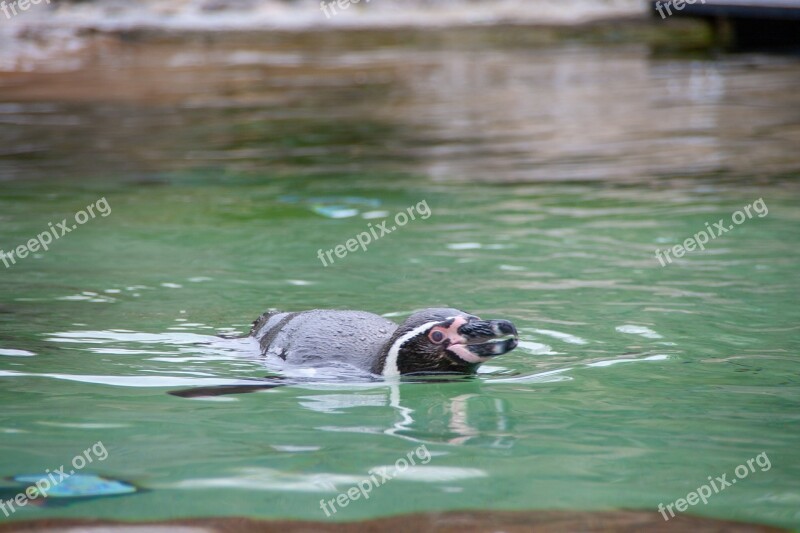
<point>432,341</point>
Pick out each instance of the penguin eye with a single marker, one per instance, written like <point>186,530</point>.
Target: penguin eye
<point>436,336</point>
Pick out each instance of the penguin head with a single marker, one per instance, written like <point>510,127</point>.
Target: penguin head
<point>446,340</point>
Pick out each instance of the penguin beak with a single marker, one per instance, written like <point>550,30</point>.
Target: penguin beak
<point>489,338</point>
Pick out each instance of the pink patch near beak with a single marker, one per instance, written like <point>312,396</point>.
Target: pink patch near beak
<point>452,332</point>
<point>458,343</point>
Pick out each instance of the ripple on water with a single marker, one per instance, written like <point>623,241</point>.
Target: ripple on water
<point>566,337</point>
<point>269,479</point>
<point>9,352</point>
<point>639,330</point>
<point>186,359</point>
<point>131,381</point>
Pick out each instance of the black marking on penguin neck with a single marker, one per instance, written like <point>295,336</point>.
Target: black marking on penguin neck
<point>396,340</point>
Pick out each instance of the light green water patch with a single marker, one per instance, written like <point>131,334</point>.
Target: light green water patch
<point>633,383</point>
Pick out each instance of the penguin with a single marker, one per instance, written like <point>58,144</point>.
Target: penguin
<point>438,340</point>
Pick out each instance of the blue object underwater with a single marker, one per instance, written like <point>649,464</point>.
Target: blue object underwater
<point>78,486</point>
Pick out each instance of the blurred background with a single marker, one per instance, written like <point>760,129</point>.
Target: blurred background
<point>558,144</point>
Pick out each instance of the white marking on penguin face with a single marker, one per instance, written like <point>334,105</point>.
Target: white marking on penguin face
<point>390,368</point>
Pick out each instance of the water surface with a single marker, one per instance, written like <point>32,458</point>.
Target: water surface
<point>552,173</point>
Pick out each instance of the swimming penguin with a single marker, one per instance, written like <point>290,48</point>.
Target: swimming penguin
<point>429,341</point>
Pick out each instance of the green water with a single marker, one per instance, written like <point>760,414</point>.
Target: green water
<point>552,174</point>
